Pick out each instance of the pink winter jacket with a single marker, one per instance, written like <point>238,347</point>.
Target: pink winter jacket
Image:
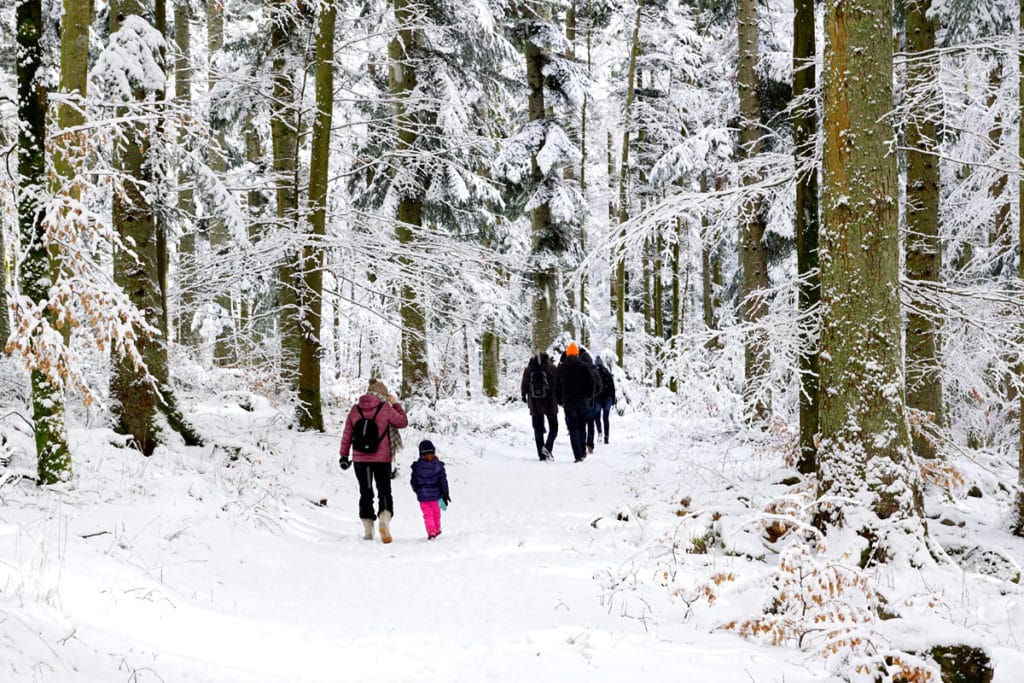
<point>389,415</point>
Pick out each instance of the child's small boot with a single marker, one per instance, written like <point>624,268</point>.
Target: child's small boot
<point>367,529</point>
<point>385,519</point>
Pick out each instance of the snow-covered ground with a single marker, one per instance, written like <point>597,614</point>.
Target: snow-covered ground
<point>243,561</point>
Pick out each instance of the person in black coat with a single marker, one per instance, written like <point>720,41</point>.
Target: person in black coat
<point>574,389</point>
<point>538,392</point>
<point>606,397</point>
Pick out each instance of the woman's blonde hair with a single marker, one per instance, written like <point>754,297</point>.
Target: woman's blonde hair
<point>377,386</point>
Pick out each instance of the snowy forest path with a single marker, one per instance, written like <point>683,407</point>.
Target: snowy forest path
<point>246,562</point>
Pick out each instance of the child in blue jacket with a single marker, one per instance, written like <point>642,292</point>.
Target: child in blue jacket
<point>430,483</point>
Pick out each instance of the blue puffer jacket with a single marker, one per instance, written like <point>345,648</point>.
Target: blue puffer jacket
<point>429,480</point>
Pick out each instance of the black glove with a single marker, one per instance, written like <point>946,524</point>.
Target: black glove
<point>447,501</point>
<point>344,462</point>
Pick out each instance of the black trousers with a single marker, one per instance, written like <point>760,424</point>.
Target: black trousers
<point>538,432</point>
<point>367,473</point>
<point>576,423</point>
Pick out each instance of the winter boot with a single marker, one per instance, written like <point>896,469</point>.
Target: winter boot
<point>385,519</point>
<point>367,529</point>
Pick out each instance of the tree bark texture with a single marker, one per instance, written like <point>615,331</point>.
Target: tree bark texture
<point>491,349</point>
<point>402,79</point>
<point>923,245</point>
<point>619,264</point>
<point>285,142</point>
<point>187,337</point>
<point>52,453</point>
<point>220,238</point>
<point>805,133</point>
<point>865,442</point>
<point>544,306</point>
<point>753,255</point>
<point>1019,530</point>
<point>310,411</point>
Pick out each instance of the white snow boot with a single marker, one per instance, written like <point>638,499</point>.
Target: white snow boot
<point>385,534</point>
<point>367,529</point>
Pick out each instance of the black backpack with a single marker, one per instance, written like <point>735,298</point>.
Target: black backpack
<point>539,387</point>
<point>365,436</point>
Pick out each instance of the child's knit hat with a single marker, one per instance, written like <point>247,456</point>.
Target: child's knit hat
<point>426,447</point>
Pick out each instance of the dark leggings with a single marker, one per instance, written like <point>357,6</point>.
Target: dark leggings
<point>367,473</point>
<point>576,423</point>
<point>538,432</point>
<point>604,408</point>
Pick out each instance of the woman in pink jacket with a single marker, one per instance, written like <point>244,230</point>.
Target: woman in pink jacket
<point>371,433</point>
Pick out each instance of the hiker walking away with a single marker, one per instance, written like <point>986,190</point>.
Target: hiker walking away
<point>371,432</point>
<point>430,482</point>
<point>592,409</point>
<point>606,398</point>
<point>574,387</point>
<point>538,392</point>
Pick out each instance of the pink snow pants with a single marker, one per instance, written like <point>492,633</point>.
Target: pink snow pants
<point>431,516</point>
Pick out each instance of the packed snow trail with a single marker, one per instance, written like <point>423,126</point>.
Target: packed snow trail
<point>191,580</point>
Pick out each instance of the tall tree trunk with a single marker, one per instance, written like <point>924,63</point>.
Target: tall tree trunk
<point>220,238</point>
<point>805,134</point>
<point>1019,527</point>
<point>923,245</point>
<point>187,337</point>
<point>402,79</point>
<point>864,453</point>
<point>310,411</point>
<point>285,141</point>
<point>136,271</point>
<point>491,349</point>
<point>544,306</point>
<point>753,255</point>
<point>619,265</point>
<point>658,309</point>
<point>53,456</point>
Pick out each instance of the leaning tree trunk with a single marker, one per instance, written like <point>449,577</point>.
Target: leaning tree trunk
<point>805,134</point>
<point>285,141</point>
<point>619,265</point>
<point>753,256</point>
<point>923,245</point>
<point>864,456</point>
<point>402,80</point>
<point>53,456</point>
<point>310,411</point>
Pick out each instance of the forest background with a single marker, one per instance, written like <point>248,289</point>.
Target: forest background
<point>800,218</point>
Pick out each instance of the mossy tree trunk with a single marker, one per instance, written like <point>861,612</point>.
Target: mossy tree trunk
<point>402,79</point>
<point>52,453</point>
<point>753,255</point>
<point>923,245</point>
<point>864,453</point>
<point>805,134</point>
<point>310,411</point>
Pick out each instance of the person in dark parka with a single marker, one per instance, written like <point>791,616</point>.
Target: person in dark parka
<point>606,398</point>
<point>538,392</point>
<point>574,389</point>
